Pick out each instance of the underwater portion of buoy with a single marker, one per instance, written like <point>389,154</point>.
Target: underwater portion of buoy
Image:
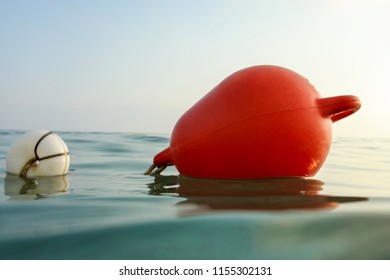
<point>38,153</point>
<point>18,189</point>
<point>260,122</point>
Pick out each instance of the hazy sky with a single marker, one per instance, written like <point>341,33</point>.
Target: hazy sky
<point>136,66</point>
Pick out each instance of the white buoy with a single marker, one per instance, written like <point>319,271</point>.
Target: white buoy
<point>38,153</point>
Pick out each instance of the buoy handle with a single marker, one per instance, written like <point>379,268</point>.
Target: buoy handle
<point>338,107</point>
<point>160,161</point>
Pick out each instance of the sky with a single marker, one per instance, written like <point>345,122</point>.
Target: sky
<point>137,66</point>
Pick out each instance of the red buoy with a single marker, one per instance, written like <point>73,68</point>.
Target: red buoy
<point>260,122</point>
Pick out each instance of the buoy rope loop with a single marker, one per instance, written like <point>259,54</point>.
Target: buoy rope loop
<point>39,141</point>
<point>151,171</point>
<point>26,167</point>
<point>36,159</point>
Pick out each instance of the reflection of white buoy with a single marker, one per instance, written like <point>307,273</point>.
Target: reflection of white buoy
<point>39,153</point>
<point>27,189</point>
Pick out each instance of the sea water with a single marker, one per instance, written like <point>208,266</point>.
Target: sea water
<point>105,208</point>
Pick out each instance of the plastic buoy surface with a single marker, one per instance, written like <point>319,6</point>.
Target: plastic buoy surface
<point>38,153</point>
<point>260,122</point>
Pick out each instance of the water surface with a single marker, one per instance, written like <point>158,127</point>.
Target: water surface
<point>105,208</point>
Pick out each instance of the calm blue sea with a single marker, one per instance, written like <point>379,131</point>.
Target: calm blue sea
<point>105,208</point>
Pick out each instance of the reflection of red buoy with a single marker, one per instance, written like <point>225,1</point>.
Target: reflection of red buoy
<point>260,122</point>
